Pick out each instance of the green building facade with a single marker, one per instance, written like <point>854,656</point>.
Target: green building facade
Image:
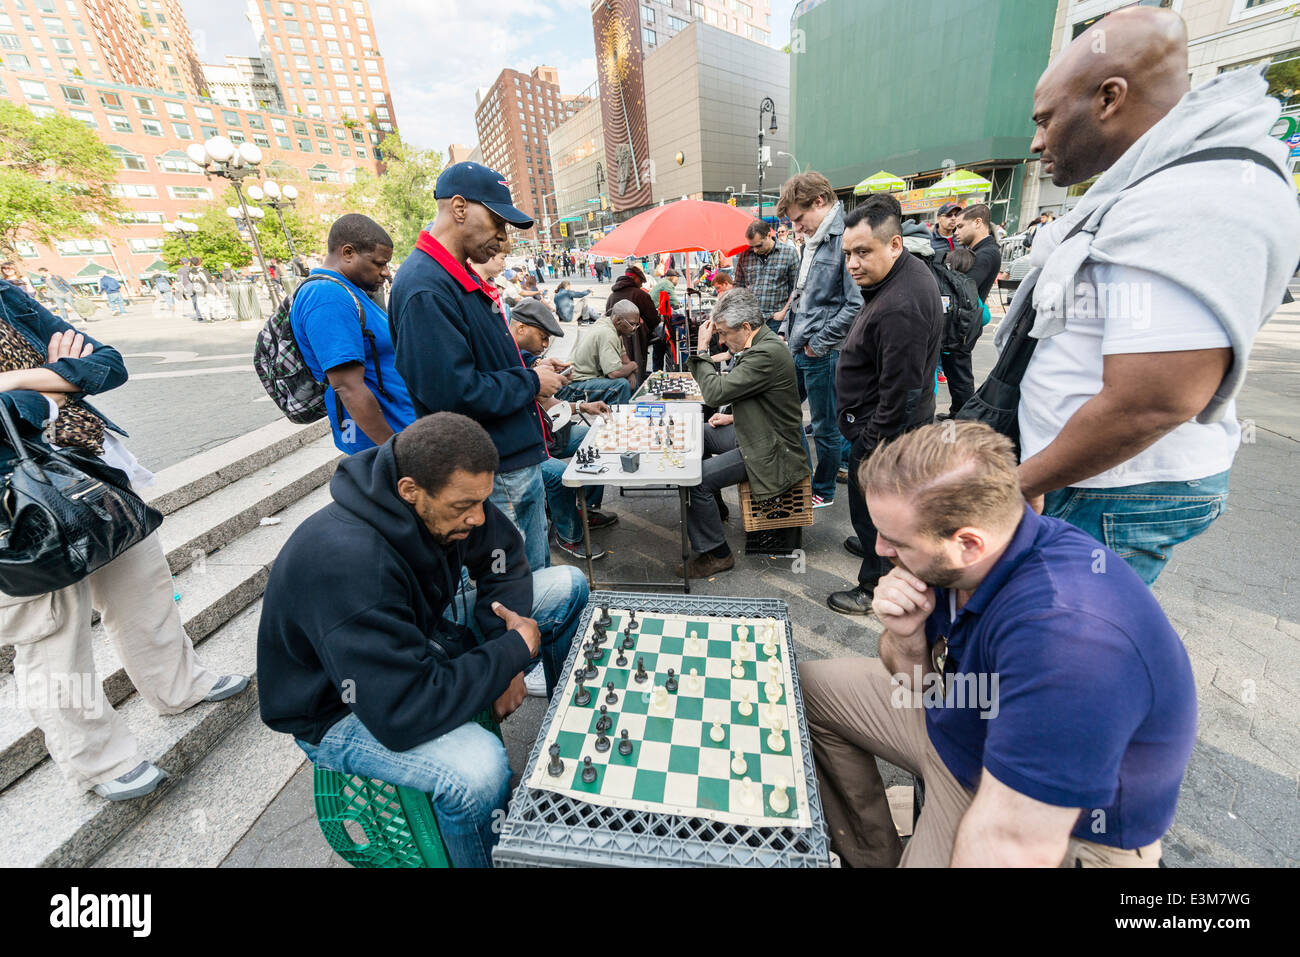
<point>919,88</point>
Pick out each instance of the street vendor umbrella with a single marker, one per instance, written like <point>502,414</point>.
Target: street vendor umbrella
<point>686,226</point>
<point>961,183</point>
<point>882,182</point>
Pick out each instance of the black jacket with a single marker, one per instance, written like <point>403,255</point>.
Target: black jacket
<point>353,618</point>
<point>988,263</point>
<point>885,380</point>
<point>625,287</point>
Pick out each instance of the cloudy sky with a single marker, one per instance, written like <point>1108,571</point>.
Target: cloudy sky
<point>438,52</point>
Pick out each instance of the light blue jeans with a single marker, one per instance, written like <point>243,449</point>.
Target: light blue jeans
<point>521,494</point>
<point>465,771</point>
<point>817,381</point>
<point>609,391</point>
<point>1142,523</point>
<point>115,303</point>
<point>562,501</point>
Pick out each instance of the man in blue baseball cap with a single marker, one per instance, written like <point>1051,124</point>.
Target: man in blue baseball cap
<point>454,348</point>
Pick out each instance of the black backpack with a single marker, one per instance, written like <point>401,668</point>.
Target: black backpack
<point>283,370</point>
<point>963,313</point>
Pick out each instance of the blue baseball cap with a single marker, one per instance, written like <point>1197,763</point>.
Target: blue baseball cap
<point>479,184</point>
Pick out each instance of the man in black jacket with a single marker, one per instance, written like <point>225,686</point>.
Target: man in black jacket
<point>885,380</point>
<point>376,655</point>
<point>631,286</point>
<point>975,232</point>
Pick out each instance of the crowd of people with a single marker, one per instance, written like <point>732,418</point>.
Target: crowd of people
<point>1016,550</point>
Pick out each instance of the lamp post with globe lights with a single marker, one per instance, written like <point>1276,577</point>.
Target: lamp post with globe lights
<point>220,157</point>
<point>184,229</point>
<point>278,198</point>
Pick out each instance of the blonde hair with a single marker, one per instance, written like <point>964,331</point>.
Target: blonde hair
<point>953,473</point>
<point>803,189</point>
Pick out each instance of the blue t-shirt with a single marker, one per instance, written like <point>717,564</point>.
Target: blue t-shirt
<point>325,324</point>
<point>109,284</point>
<point>1077,691</point>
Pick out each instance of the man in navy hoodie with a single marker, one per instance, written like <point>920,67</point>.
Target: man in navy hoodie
<point>375,654</point>
<point>454,349</point>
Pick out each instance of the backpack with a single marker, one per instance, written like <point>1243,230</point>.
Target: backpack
<point>283,370</point>
<point>963,312</point>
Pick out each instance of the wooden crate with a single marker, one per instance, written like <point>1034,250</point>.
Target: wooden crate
<point>793,508</point>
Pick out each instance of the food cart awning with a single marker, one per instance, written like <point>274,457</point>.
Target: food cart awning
<point>881,182</point>
<point>961,183</point>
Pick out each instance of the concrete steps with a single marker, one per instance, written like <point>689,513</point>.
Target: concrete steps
<point>221,556</point>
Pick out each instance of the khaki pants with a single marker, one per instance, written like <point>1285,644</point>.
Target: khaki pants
<point>54,668</point>
<point>852,722</point>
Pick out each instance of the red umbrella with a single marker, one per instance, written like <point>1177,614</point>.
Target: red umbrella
<point>686,226</point>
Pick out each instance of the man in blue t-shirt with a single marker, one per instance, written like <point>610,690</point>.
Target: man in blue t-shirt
<point>1026,674</point>
<point>327,326</point>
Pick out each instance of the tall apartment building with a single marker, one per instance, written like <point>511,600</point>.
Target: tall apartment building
<point>243,81</point>
<point>88,60</point>
<point>661,20</point>
<point>514,117</point>
<point>325,57</point>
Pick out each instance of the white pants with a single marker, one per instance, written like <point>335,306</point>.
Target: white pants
<point>54,668</point>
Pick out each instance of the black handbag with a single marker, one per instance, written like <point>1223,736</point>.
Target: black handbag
<point>63,514</point>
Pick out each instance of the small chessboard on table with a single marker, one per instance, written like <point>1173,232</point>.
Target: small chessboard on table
<point>671,386</point>
<point>681,714</point>
<point>627,431</point>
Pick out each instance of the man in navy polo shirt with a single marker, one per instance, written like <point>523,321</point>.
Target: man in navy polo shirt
<point>1026,673</point>
<point>454,349</point>
<point>366,401</point>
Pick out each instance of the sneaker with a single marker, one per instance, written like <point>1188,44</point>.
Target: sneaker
<point>227,687</point>
<point>535,682</point>
<point>576,551</point>
<point>943,379</point>
<point>819,502</point>
<point>143,779</point>
<point>598,520</point>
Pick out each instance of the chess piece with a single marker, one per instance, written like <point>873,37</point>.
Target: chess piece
<point>632,623</point>
<point>693,643</point>
<point>556,767</point>
<point>604,722</point>
<point>610,698</point>
<point>773,691</point>
<point>660,702</point>
<point>738,765</point>
<point>716,733</point>
<point>640,675</point>
<point>602,742</point>
<point>776,740</point>
<point>737,669</point>
<point>745,708</point>
<point>671,683</point>
<point>628,641</point>
<point>604,621</point>
<point>588,772</point>
<point>581,697</point>
<point>693,684</point>
<point>624,745</point>
<point>780,797</point>
<point>621,660</point>
<point>747,796</point>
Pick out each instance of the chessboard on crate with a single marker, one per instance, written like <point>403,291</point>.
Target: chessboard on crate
<point>671,386</point>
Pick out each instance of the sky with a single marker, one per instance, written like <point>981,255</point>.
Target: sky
<point>438,52</point>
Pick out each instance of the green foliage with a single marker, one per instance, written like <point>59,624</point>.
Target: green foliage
<point>401,200</point>
<point>217,242</point>
<point>55,174</point>
<point>307,237</point>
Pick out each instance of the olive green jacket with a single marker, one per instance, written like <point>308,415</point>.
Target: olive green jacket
<point>763,393</point>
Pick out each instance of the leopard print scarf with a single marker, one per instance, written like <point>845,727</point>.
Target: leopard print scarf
<point>76,426</point>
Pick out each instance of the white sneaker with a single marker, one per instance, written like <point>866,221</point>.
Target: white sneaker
<point>535,682</point>
<point>143,779</point>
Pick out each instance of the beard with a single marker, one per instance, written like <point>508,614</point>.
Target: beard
<point>936,574</point>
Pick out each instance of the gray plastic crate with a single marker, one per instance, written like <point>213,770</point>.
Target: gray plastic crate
<point>548,829</point>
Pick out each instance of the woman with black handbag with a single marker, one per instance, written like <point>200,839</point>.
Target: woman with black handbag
<point>50,437</point>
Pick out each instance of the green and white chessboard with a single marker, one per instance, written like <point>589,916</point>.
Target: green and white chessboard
<point>675,766</point>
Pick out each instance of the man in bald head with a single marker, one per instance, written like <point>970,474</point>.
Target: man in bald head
<point>1127,417</point>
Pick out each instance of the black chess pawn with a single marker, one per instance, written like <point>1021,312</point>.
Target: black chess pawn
<point>556,767</point>
<point>640,675</point>
<point>588,772</point>
<point>602,742</point>
<point>621,660</point>
<point>628,641</point>
<point>632,623</point>
<point>624,745</point>
<point>604,722</point>
<point>671,683</point>
<point>610,698</point>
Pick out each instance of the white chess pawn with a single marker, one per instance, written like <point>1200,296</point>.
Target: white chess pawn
<point>779,798</point>
<point>693,642</point>
<point>737,669</point>
<point>693,683</point>
<point>747,796</point>
<point>738,765</point>
<point>776,740</point>
<point>773,670</point>
<point>745,708</point>
<point>716,733</point>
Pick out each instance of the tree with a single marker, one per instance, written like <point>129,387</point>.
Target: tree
<point>55,175</point>
<point>401,200</point>
<point>217,242</point>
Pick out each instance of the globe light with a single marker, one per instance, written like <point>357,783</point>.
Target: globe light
<point>220,149</point>
<point>291,193</point>
<point>255,193</point>
<point>232,212</point>
<point>251,153</point>
<point>256,213</point>
<point>272,189</point>
<point>168,228</point>
<point>189,227</point>
<point>197,154</point>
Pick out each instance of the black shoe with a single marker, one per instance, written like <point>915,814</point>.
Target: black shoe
<point>943,417</point>
<point>855,602</point>
<point>576,551</point>
<point>853,545</point>
<point>842,477</point>
<point>598,520</point>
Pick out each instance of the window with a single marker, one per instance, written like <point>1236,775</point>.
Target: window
<point>18,62</point>
<point>145,245</point>
<point>300,127</point>
<point>230,117</point>
<point>648,16</point>
<point>235,136</point>
<point>27,250</point>
<point>133,191</point>
<point>138,218</point>
<point>183,131</point>
<point>262,140</point>
<point>61,45</point>
<point>650,37</point>
<point>175,110</point>
<point>132,161</point>
<point>81,247</point>
<point>74,95</point>
<point>33,90</point>
<point>10,41</point>
<point>304,146</point>
<point>203,113</point>
<point>84,116</point>
<point>284,142</point>
<point>52,25</point>
<point>174,161</point>
<point>144,105</point>
<point>152,127</point>
<point>278,125</point>
<point>189,192</point>
<point>340,133</point>
<point>324,147</point>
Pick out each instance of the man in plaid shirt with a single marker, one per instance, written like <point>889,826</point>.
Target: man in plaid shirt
<point>770,271</point>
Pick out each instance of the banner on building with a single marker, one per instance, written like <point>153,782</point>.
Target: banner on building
<point>620,60</point>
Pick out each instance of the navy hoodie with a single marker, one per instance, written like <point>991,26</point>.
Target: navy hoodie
<point>353,618</point>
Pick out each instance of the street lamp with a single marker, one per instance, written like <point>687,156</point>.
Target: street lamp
<point>277,197</point>
<point>600,188</point>
<point>184,228</point>
<point>767,106</point>
<point>797,167</point>
<point>220,157</point>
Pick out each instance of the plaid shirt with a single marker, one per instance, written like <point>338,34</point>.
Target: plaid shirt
<point>770,278</point>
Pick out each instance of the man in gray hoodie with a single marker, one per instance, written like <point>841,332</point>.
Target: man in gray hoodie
<point>1128,419</point>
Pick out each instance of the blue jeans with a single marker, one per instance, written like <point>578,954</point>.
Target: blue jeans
<point>521,495</point>
<point>609,391</point>
<point>115,303</point>
<point>465,771</point>
<point>562,501</point>
<point>1142,523</point>
<point>817,380</point>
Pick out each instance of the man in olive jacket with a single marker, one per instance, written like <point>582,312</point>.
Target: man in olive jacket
<point>761,440</point>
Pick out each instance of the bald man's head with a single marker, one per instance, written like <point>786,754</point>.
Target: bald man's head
<point>1106,89</point>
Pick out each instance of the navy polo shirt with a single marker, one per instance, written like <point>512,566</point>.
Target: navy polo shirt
<point>1066,682</point>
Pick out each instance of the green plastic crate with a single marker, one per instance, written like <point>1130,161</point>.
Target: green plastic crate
<point>398,823</point>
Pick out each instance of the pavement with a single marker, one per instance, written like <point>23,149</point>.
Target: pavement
<point>1233,594</point>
